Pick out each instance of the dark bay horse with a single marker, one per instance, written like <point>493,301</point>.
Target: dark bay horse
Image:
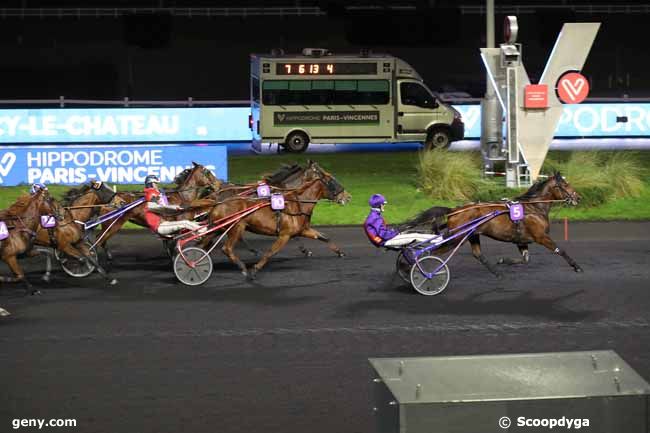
<point>192,183</point>
<point>22,219</point>
<point>292,221</point>
<point>287,177</point>
<point>68,236</point>
<point>534,228</point>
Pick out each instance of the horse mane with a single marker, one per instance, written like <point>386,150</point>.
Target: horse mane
<point>426,217</point>
<point>280,175</point>
<point>534,190</point>
<point>19,206</point>
<point>74,193</point>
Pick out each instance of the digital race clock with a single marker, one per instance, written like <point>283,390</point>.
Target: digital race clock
<point>326,68</point>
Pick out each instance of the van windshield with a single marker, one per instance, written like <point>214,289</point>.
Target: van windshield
<point>416,94</point>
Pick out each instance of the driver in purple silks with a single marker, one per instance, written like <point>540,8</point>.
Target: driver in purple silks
<point>382,235</point>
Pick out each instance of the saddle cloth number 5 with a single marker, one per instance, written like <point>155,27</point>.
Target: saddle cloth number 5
<point>516,212</point>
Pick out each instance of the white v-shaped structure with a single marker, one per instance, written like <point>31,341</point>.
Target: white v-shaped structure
<point>533,129</point>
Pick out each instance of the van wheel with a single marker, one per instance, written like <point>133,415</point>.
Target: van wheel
<point>297,142</point>
<point>437,138</point>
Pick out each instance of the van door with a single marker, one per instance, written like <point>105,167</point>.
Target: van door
<point>416,110</point>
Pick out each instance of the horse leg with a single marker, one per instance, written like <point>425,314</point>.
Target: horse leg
<point>48,253</point>
<point>315,234</point>
<point>83,254</point>
<point>107,233</point>
<point>229,247</point>
<point>475,242</point>
<point>545,240</point>
<point>15,268</point>
<point>304,250</point>
<point>277,246</point>
<point>248,246</point>
<point>35,252</point>
<point>525,257</point>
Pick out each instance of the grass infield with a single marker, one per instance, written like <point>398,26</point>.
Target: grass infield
<point>395,176</point>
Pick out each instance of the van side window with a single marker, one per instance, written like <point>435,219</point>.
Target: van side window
<point>416,94</point>
<point>325,92</point>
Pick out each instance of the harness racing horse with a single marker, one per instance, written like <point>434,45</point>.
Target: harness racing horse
<point>292,221</point>
<point>22,220</point>
<point>193,183</point>
<point>68,236</point>
<point>535,226</point>
<point>287,177</point>
<point>84,204</point>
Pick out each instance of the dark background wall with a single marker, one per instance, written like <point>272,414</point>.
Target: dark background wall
<point>175,57</point>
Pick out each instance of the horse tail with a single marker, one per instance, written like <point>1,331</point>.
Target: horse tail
<point>432,218</point>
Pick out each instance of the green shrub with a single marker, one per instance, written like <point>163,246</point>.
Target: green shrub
<point>444,175</point>
<point>600,177</point>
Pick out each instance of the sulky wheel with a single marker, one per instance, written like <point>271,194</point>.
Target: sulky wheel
<point>197,271</point>
<point>437,282</point>
<point>405,260</point>
<point>73,267</point>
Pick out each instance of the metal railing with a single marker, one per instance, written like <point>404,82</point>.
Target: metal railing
<point>62,102</point>
<point>180,12</point>
<point>116,12</point>
<point>125,102</point>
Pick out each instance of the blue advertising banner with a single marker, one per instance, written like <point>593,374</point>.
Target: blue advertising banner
<point>582,120</point>
<point>130,125</point>
<point>126,164</point>
<point>141,125</point>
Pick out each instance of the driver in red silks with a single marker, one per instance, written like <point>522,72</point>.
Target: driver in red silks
<point>154,201</point>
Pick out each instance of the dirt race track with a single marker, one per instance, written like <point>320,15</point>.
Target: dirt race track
<point>288,352</point>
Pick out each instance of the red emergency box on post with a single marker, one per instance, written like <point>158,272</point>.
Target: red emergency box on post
<point>536,96</point>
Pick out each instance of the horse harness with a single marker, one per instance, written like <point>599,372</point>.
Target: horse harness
<point>23,229</point>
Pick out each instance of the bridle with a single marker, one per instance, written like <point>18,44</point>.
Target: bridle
<point>333,187</point>
<point>568,197</point>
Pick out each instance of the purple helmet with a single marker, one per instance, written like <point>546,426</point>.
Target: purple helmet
<point>37,187</point>
<point>377,200</point>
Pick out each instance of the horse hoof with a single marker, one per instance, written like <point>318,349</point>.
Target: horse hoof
<point>112,282</point>
<point>499,276</point>
<point>578,269</point>
<point>36,292</point>
<point>341,254</point>
<point>308,254</point>
<point>501,261</point>
<point>252,274</point>
<point>46,278</point>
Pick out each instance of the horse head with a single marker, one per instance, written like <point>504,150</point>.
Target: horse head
<point>561,190</point>
<point>197,176</point>
<point>199,179</point>
<point>103,193</point>
<point>333,189</point>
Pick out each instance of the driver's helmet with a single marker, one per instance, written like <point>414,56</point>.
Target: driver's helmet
<point>37,187</point>
<point>377,200</point>
<point>150,180</point>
